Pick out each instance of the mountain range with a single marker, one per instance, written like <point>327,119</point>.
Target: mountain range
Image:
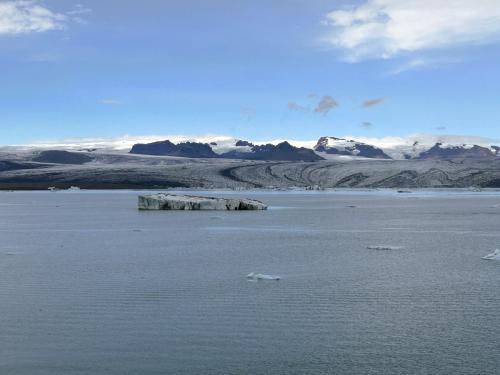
<point>326,148</point>
<point>242,150</point>
<point>224,162</point>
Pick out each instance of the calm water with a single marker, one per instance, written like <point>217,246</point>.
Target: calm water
<point>89,285</point>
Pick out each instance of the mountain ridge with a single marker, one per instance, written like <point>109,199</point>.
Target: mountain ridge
<point>325,148</point>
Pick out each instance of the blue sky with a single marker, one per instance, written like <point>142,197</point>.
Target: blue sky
<point>256,69</point>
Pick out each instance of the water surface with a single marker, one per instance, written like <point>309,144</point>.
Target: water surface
<point>90,285</point>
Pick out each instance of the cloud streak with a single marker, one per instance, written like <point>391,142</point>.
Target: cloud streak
<point>325,105</point>
<point>373,102</point>
<point>389,28</point>
<point>293,106</point>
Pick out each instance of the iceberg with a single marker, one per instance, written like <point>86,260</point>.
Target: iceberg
<point>164,201</point>
<point>493,256</point>
<point>252,276</point>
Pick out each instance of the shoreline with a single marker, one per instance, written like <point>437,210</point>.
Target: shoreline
<point>137,187</point>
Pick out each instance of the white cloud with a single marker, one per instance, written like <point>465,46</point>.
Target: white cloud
<point>27,16</point>
<point>388,28</point>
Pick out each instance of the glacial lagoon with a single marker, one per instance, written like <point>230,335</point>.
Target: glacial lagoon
<point>91,285</point>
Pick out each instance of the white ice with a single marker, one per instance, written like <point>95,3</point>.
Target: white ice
<point>259,276</point>
<point>493,256</point>
<point>385,247</point>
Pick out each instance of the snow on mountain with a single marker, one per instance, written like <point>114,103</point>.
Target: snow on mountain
<point>340,146</point>
<point>219,143</point>
<point>413,145</point>
<point>446,151</point>
<point>239,150</point>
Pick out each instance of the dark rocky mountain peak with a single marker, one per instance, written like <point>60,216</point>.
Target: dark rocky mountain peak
<point>241,143</point>
<point>167,148</point>
<point>280,152</point>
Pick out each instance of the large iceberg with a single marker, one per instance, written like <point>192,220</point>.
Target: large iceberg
<point>163,201</point>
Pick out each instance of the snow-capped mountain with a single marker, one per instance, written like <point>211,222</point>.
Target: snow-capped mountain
<point>415,146</point>
<point>281,151</point>
<point>340,146</point>
<point>449,151</point>
<point>245,150</point>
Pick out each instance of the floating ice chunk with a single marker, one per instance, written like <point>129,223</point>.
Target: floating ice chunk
<point>165,201</point>
<point>493,256</point>
<point>252,276</point>
<point>385,247</point>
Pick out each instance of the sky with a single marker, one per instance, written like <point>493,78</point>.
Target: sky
<point>256,69</point>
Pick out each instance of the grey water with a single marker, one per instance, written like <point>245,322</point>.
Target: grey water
<point>90,285</point>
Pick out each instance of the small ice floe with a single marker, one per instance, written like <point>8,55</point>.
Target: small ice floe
<point>252,276</point>
<point>315,188</point>
<point>385,247</point>
<point>53,188</point>
<point>74,188</point>
<point>493,256</point>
